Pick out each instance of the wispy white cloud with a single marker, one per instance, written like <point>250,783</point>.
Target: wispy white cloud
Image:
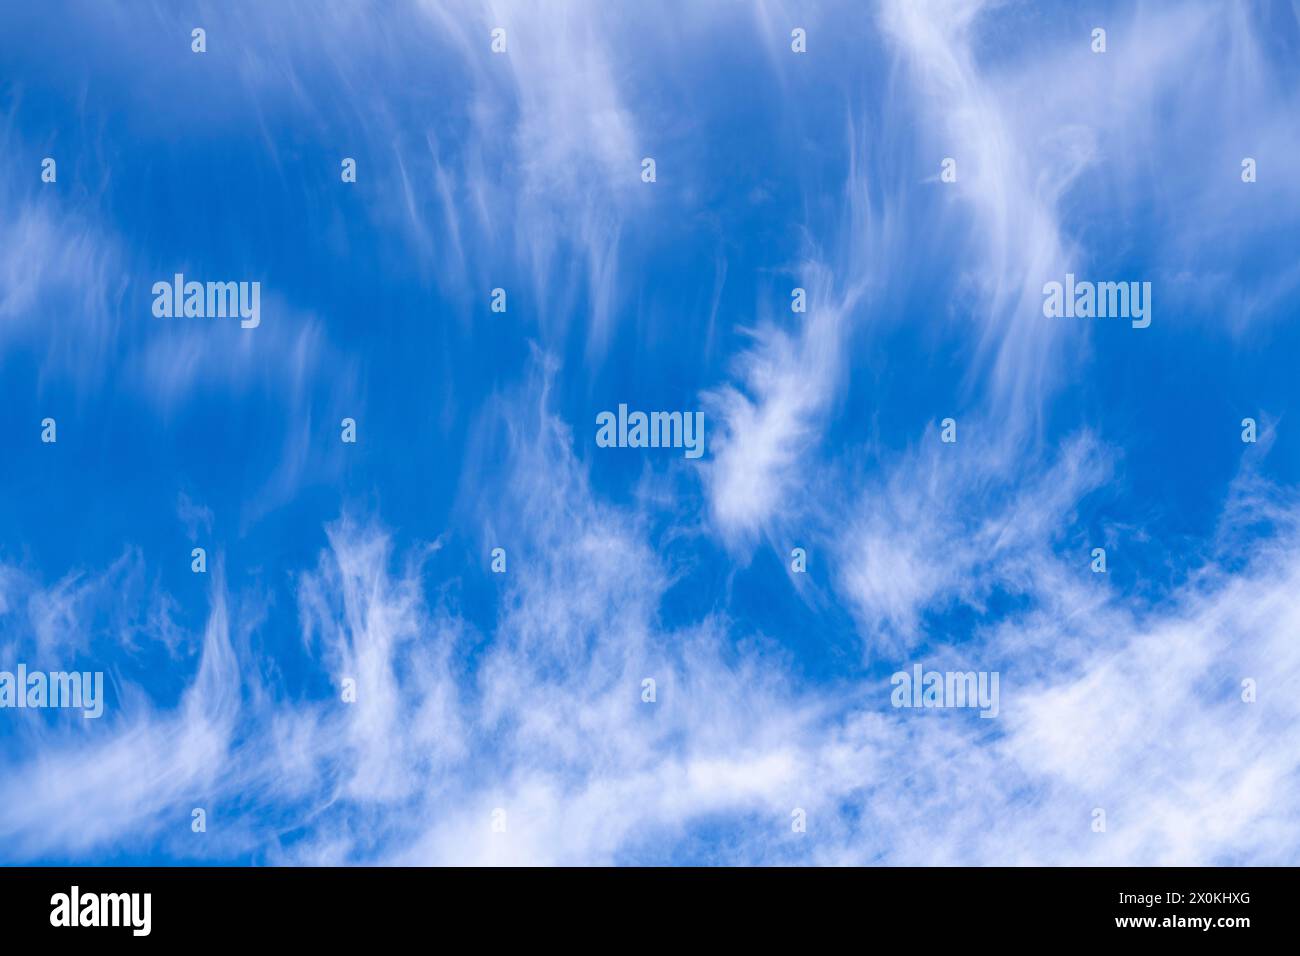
<point>83,784</point>
<point>947,524</point>
<point>61,279</point>
<point>1104,705</point>
<point>770,420</point>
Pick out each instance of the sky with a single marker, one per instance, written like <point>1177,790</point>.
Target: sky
<point>353,678</point>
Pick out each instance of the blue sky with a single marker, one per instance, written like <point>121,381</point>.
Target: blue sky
<point>522,691</point>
